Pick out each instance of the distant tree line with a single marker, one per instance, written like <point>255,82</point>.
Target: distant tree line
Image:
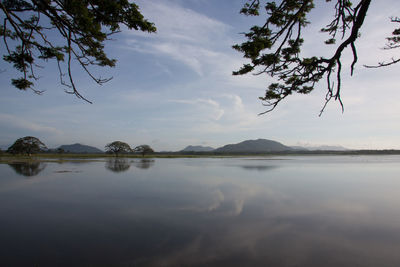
<point>32,145</point>
<point>29,145</point>
<point>119,147</point>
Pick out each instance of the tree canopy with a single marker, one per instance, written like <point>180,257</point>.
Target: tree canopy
<point>27,145</point>
<point>118,147</point>
<point>274,48</point>
<point>31,32</point>
<point>143,149</point>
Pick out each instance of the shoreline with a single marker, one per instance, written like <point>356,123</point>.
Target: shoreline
<point>51,157</point>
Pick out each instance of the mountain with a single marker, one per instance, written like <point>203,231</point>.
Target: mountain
<point>254,146</point>
<point>79,148</point>
<point>197,149</point>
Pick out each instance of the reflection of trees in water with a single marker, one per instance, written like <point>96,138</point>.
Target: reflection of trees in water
<point>117,165</point>
<point>258,167</point>
<point>121,164</point>
<point>144,163</point>
<point>28,168</point>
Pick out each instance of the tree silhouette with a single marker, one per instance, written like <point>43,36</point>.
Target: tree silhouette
<point>274,47</point>
<point>118,147</point>
<point>32,30</point>
<point>27,145</point>
<point>143,149</point>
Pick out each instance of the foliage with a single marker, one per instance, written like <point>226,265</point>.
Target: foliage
<point>31,31</point>
<point>118,147</point>
<point>27,145</point>
<point>393,42</point>
<point>144,149</point>
<point>274,48</point>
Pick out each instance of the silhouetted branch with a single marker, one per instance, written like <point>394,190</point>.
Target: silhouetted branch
<point>276,47</point>
<point>83,25</point>
<point>393,43</point>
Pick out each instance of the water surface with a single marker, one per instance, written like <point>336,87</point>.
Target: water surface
<point>272,211</point>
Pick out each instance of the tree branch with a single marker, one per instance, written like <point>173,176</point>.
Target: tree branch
<point>295,74</point>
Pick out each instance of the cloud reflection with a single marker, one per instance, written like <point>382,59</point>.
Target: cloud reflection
<point>209,214</point>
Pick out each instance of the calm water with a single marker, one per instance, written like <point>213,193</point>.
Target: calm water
<point>278,211</point>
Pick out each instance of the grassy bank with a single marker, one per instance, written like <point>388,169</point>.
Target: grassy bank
<point>46,157</point>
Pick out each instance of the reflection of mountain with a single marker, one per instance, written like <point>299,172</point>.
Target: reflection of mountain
<point>28,168</point>
<point>144,163</point>
<point>117,165</point>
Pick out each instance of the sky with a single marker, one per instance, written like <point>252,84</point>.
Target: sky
<point>175,88</point>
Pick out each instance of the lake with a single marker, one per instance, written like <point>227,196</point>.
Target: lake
<point>252,211</point>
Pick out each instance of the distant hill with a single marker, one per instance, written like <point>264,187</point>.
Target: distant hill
<point>331,148</point>
<point>300,148</point>
<point>79,148</point>
<point>197,149</point>
<point>320,148</point>
<point>255,146</point>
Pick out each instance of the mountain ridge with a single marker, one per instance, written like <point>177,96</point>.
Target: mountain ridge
<point>79,148</point>
<point>191,148</point>
<point>260,146</point>
<point>257,146</point>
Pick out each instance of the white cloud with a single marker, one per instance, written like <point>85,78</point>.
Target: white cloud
<point>24,124</point>
<point>236,101</point>
<point>210,107</point>
<point>181,24</point>
<point>182,35</point>
<point>227,114</point>
<point>191,56</point>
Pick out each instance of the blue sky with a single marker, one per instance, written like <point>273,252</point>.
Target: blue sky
<point>174,88</point>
